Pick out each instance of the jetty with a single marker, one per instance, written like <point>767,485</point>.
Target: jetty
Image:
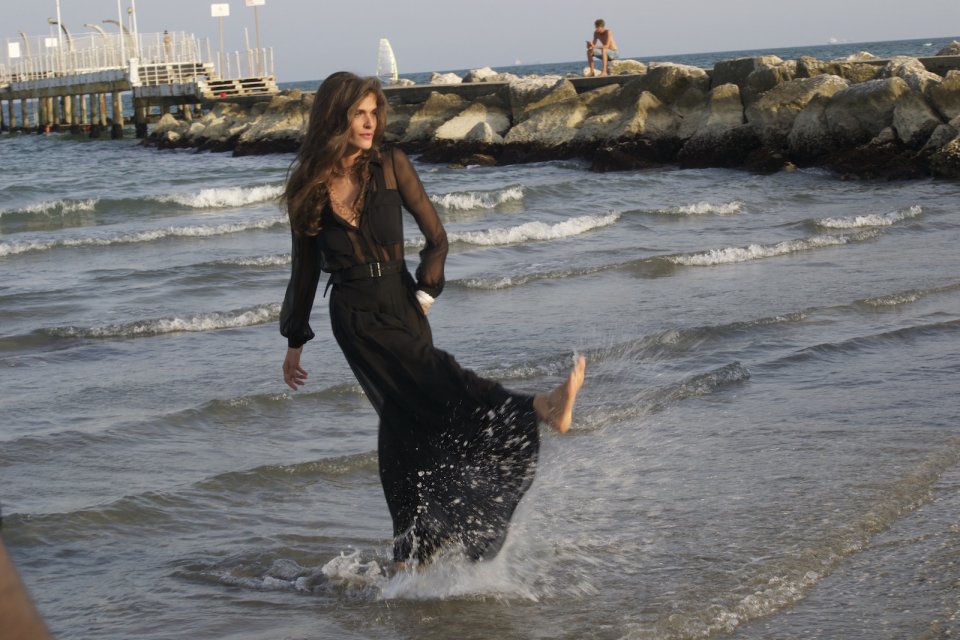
<point>79,81</point>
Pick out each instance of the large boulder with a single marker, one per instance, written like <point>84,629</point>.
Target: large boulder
<point>914,120</point>
<point>553,123</point>
<point>466,121</point>
<point>858,113</point>
<point>773,113</point>
<point>809,138</point>
<point>398,120</point>
<point>911,70</point>
<point>168,123</point>
<point>672,83</point>
<point>855,72</point>
<point>529,94</point>
<point>946,162</point>
<point>736,70</point>
<point>646,115</point>
<point>445,78</point>
<point>225,123</point>
<point>281,125</point>
<point>724,109</point>
<point>483,132</point>
<point>480,75</point>
<point>945,96</point>
<point>952,49</point>
<point>721,138</point>
<point>627,67</point>
<point>765,77</point>
<point>437,109</point>
<point>940,137</point>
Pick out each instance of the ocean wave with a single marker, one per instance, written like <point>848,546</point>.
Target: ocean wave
<point>657,399</point>
<point>853,345</point>
<point>869,220</point>
<point>705,208</point>
<point>278,260</point>
<point>52,208</point>
<point>783,582</point>
<point>494,283</point>
<point>473,200</point>
<point>148,510</point>
<point>687,338</point>
<point>534,231</point>
<point>222,197</point>
<point>307,472</point>
<point>905,297</point>
<point>732,255</point>
<point>192,231</point>
<point>894,299</point>
<point>259,314</point>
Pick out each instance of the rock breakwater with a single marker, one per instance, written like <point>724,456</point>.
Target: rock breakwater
<point>861,117</point>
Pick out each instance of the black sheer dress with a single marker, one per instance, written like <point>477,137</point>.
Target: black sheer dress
<point>456,451</point>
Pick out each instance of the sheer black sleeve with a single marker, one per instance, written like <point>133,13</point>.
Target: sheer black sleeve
<point>298,301</point>
<point>430,272</point>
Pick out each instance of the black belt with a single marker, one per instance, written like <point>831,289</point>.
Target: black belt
<point>364,272</point>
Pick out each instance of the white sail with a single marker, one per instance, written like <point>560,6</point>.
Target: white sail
<point>386,63</point>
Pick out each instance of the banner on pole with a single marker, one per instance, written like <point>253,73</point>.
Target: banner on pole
<point>13,49</point>
<point>219,10</point>
<point>50,43</point>
<point>256,3</point>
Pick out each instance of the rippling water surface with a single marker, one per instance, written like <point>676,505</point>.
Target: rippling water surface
<point>767,444</point>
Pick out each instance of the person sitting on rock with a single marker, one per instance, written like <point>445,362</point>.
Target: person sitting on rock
<point>607,50</point>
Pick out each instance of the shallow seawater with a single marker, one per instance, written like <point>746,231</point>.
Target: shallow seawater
<point>767,444</point>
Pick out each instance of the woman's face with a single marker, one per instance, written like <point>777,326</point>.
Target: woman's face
<point>363,124</point>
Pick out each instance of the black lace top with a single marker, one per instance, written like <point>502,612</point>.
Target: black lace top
<point>378,238</point>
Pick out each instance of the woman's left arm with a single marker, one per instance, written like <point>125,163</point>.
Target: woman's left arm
<point>429,274</point>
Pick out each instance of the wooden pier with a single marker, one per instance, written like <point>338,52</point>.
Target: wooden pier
<point>80,85</point>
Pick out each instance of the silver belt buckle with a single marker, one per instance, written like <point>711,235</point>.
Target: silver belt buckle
<point>375,273</point>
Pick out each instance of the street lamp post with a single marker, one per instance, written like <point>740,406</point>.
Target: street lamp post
<point>220,11</point>
<point>256,21</point>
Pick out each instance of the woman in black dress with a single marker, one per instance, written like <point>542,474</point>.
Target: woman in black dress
<point>456,451</point>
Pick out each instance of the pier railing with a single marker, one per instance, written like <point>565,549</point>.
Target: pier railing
<point>49,57</point>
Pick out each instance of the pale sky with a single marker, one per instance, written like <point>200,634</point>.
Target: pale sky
<point>313,38</point>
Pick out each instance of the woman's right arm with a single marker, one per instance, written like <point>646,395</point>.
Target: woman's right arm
<point>298,302</point>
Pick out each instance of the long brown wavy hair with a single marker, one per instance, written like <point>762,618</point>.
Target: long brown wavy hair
<point>325,143</point>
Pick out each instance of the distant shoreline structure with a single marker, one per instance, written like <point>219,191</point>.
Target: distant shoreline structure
<point>861,115</point>
<point>702,59</point>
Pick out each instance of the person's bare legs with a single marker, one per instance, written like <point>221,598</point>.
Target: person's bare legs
<point>556,407</point>
<point>604,53</point>
<point>590,58</point>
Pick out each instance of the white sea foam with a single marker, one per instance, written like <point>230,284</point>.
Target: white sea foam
<point>534,231</point>
<point>259,314</point>
<point>870,220</point>
<point>53,207</point>
<point>217,198</point>
<point>192,231</point>
<point>472,200</point>
<point>706,208</point>
<point>279,260</point>
<point>894,299</point>
<point>732,255</point>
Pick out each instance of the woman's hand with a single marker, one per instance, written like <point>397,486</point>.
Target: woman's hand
<point>293,374</point>
<point>425,300</point>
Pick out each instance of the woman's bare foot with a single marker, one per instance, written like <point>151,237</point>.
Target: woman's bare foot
<point>556,407</point>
